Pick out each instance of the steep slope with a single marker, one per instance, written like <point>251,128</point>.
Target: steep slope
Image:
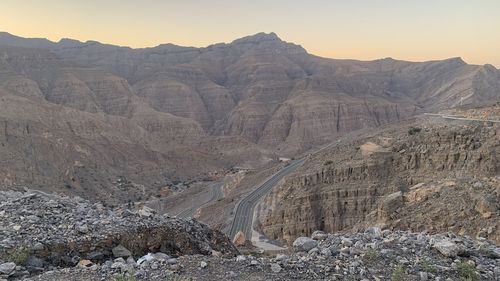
<point>424,174</point>
<point>190,110</point>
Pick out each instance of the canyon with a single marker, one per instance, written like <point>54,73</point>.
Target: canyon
<point>116,123</point>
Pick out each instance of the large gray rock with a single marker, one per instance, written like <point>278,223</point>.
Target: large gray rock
<point>120,251</point>
<point>7,268</point>
<point>447,247</point>
<point>319,235</point>
<point>304,244</point>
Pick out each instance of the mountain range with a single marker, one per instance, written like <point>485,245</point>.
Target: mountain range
<point>113,122</point>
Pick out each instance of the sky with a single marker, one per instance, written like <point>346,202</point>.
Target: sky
<point>416,30</point>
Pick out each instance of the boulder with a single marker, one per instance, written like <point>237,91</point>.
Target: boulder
<point>304,244</point>
<point>120,251</point>
<point>319,235</point>
<point>447,247</point>
<point>239,239</point>
<point>374,231</point>
<point>276,268</point>
<point>85,263</point>
<point>7,268</point>
<point>146,212</point>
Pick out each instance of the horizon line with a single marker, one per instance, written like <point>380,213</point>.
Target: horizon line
<point>251,35</point>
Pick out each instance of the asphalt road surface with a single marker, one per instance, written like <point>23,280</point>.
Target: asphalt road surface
<point>216,195</point>
<point>454,117</point>
<point>244,211</point>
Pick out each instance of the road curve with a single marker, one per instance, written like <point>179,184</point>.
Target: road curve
<point>216,189</point>
<point>243,216</point>
<point>455,117</point>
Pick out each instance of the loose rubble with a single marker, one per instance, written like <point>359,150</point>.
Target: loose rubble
<point>42,249</point>
<point>41,232</point>
<point>371,255</point>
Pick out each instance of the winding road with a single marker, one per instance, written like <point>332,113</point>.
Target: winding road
<point>216,195</point>
<point>455,117</point>
<point>243,217</point>
<point>244,211</point>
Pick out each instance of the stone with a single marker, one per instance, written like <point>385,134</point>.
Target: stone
<point>172,261</point>
<point>120,251</point>
<point>447,248</point>
<point>38,247</point>
<point>85,263</point>
<point>281,257</point>
<point>161,256</point>
<point>347,242</point>
<point>7,268</point>
<point>216,254</point>
<point>478,184</point>
<point>374,231</point>
<point>34,261</point>
<point>146,258</point>
<point>313,251</point>
<point>319,235</point>
<point>490,251</point>
<point>16,227</point>
<point>83,229</point>
<point>239,239</point>
<point>304,244</point>
<point>146,212</point>
<point>241,258</point>
<point>276,268</point>
<point>154,265</point>
<point>326,252</point>
<point>131,261</point>
<point>95,256</point>
<point>203,264</point>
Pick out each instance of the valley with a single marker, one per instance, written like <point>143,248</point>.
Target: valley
<point>83,115</point>
<point>169,153</point>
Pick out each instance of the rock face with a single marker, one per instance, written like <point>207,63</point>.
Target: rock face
<point>61,231</point>
<point>423,181</point>
<point>157,115</point>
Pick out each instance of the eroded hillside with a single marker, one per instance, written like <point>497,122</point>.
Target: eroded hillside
<point>80,116</point>
<point>426,174</point>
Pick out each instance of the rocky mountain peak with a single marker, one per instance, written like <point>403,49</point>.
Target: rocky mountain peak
<point>258,38</point>
<point>16,41</point>
<point>455,60</point>
<point>68,42</point>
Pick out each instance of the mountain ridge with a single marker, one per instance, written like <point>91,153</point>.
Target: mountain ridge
<point>243,104</point>
<point>263,36</point>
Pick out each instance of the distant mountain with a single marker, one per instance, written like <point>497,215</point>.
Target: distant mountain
<point>173,112</point>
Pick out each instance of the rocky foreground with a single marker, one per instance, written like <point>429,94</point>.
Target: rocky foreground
<point>45,237</point>
<point>41,232</point>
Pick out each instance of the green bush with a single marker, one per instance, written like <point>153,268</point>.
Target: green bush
<point>399,274</point>
<point>371,256</point>
<point>20,256</point>
<point>467,272</point>
<point>123,277</point>
<point>413,130</point>
<point>179,278</point>
<point>427,266</point>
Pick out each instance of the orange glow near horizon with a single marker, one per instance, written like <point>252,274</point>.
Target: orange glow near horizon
<point>366,30</point>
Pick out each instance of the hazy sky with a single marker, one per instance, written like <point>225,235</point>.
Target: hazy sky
<point>362,29</point>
